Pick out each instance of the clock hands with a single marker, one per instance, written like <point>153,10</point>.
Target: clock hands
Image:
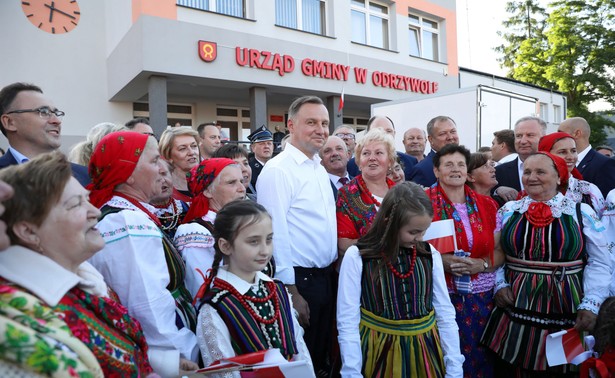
<point>53,8</point>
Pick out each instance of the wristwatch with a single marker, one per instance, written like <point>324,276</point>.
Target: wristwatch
<point>485,265</point>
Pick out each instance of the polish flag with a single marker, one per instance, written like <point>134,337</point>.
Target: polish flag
<point>341,105</point>
<point>441,234</point>
<point>565,347</point>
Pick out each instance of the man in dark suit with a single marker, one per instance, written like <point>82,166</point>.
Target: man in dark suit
<point>334,155</point>
<point>528,131</point>
<point>441,131</point>
<point>595,168</point>
<point>386,124</point>
<point>32,125</point>
<point>262,148</point>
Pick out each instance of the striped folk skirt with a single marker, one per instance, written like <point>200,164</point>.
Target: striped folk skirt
<point>400,348</point>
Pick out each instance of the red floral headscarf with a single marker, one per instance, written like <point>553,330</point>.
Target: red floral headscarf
<point>562,169</point>
<point>199,179</point>
<point>113,161</point>
<point>546,144</point>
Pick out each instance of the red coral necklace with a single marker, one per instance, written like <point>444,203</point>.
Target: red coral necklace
<point>410,269</point>
<point>243,299</point>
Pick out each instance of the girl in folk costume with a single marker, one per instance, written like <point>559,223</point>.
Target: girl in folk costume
<point>242,310</point>
<point>394,315</point>
<point>604,335</point>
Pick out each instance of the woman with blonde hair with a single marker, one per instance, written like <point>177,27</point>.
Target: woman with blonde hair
<point>180,147</point>
<point>82,151</point>
<point>359,200</point>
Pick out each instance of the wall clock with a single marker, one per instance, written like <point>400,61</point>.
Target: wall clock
<point>52,16</point>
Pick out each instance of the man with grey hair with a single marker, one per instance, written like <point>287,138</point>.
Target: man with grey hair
<point>441,130</point>
<point>414,142</point>
<point>349,136</point>
<point>528,131</point>
<point>595,168</point>
<point>294,187</point>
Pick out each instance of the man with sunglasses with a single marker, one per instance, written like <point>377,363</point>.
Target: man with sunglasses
<point>32,125</point>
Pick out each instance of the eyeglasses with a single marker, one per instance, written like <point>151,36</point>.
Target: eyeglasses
<point>345,135</point>
<point>44,112</point>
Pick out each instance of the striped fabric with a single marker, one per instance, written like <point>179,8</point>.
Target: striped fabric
<point>399,337</point>
<point>248,334</point>
<point>547,283</point>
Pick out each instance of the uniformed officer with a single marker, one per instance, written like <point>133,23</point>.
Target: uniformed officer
<point>262,147</point>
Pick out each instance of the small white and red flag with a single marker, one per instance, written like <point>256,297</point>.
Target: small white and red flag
<point>565,347</point>
<point>341,105</point>
<point>441,234</point>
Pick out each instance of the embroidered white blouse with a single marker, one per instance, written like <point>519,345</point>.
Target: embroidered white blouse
<point>133,264</point>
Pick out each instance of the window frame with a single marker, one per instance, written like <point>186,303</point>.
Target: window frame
<point>323,6</point>
<point>211,6</point>
<point>419,28</point>
<point>368,13</point>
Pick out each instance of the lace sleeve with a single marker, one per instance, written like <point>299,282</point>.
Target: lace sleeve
<point>214,339</point>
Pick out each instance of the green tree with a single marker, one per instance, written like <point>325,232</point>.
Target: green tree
<point>574,52</point>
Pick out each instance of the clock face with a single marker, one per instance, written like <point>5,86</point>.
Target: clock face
<point>52,16</point>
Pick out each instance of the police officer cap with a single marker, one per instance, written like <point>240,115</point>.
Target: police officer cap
<point>262,134</point>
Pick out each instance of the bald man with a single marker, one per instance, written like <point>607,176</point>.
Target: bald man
<point>595,168</point>
<point>414,142</point>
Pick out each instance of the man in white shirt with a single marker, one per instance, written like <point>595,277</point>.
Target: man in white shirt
<point>294,187</point>
<point>503,147</point>
<point>334,155</point>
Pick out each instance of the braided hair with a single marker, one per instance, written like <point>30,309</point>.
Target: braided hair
<point>401,203</point>
<point>230,220</point>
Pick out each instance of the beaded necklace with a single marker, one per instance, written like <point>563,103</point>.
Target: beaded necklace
<point>410,269</point>
<point>364,188</point>
<point>170,221</point>
<point>248,301</point>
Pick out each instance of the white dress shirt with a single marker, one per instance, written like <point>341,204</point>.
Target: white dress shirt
<point>133,264</point>
<point>507,158</point>
<point>520,169</point>
<point>213,334</point>
<point>335,179</point>
<point>349,316</point>
<point>296,191</point>
<point>582,154</point>
<point>196,245</point>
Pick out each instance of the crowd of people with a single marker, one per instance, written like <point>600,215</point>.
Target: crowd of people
<point>153,256</point>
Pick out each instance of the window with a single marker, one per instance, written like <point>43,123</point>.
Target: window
<point>176,113</point>
<point>557,114</point>
<point>235,122</point>
<point>235,8</point>
<point>424,36</point>
<point>306,15</point>
<point>370,23</point>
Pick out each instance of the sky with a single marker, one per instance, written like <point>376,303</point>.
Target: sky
<point>478,22</point>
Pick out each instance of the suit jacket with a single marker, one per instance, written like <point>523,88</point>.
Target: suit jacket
<point>79,171</point>
<point>334,188</point>
<point>407,161</point>
<point>599,170</point>
<point>422,173</point>
<point>507,174</point>
<point>257,167</point>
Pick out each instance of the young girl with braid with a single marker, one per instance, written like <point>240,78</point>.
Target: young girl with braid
<point>243,310</point>
<point>394,315</point>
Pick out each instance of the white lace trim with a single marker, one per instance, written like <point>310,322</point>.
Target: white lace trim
<point>559,205</point>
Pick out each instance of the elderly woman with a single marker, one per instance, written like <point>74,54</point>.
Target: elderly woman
<point>45,280</point>
<point>238,153</point>
<point>139,261</point>
<point>557,269</point>
<point>180,147</point>
<point>213,183</point>
<point>359,200</point>
<point>470,270</point>
<point>396,173</point>
<point>578,190</point>
<point>481,173</point>
<point>170,211</point>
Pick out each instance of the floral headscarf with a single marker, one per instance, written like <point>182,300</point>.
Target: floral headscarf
<point>546,144</point>
<point>112,163</point>
<point>199,179</point>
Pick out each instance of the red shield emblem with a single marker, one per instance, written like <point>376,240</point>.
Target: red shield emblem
<point>208,51</point>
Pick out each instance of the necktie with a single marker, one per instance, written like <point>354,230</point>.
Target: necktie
<point>343,180</point>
